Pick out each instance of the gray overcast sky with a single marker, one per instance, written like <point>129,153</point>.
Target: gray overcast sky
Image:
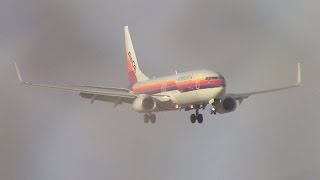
<point>48,134</point>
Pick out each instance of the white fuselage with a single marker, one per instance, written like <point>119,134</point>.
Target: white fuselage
<point>185,89</point>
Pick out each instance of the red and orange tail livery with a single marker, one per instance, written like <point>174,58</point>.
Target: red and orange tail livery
<point>134,72</point>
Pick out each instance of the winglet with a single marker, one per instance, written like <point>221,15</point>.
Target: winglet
<point>19,75</point>
<point>299,75</point>
<point>18,72</point>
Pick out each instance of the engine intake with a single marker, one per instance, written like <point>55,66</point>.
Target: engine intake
<point>226,105</point>
<point>144,104</point>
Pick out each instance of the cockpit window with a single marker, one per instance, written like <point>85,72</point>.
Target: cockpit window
<point>210,78</point>
<point>221,77</point>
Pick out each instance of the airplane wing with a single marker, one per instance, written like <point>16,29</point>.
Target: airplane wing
<point>111,94</point>
<point>242,96</point>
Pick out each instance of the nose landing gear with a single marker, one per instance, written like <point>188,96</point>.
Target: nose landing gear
<point>213,111</point>
<point>214,103</point>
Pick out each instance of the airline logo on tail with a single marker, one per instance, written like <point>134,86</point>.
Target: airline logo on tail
<point>133,63</point>
<point>132,68</point>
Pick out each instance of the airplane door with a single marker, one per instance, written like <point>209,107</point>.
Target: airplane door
<point>164,87</point>
<point>198,82</point>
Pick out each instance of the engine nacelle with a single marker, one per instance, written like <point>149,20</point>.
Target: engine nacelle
<point>226,105</point>
<point>144,103</point>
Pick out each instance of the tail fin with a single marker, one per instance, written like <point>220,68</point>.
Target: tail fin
<point>134,72</point>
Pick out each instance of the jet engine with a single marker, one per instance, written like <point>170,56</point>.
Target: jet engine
<point>144,103</point>
<point>226,104</point>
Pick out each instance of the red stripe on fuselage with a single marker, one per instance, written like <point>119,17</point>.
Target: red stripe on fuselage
<point>182,86</point>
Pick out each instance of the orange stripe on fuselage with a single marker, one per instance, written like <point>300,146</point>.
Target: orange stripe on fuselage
<point>169,85</point>
<point>153,85</point>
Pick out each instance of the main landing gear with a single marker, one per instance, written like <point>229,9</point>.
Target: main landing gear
<point>151,117</point>
<point>195,117</point>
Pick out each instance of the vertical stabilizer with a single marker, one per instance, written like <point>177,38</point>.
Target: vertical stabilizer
<point>134,72</point>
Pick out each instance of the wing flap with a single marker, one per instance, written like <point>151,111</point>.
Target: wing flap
<point>104,88</point>
<point>112,99</point>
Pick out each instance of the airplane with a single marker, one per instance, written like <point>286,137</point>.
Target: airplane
<point>193,90</point>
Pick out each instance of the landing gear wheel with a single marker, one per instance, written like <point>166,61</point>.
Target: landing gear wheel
<point>193,118</point>
<point>153,118</point>
<point>200,118</point>
<point>146,118</point>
